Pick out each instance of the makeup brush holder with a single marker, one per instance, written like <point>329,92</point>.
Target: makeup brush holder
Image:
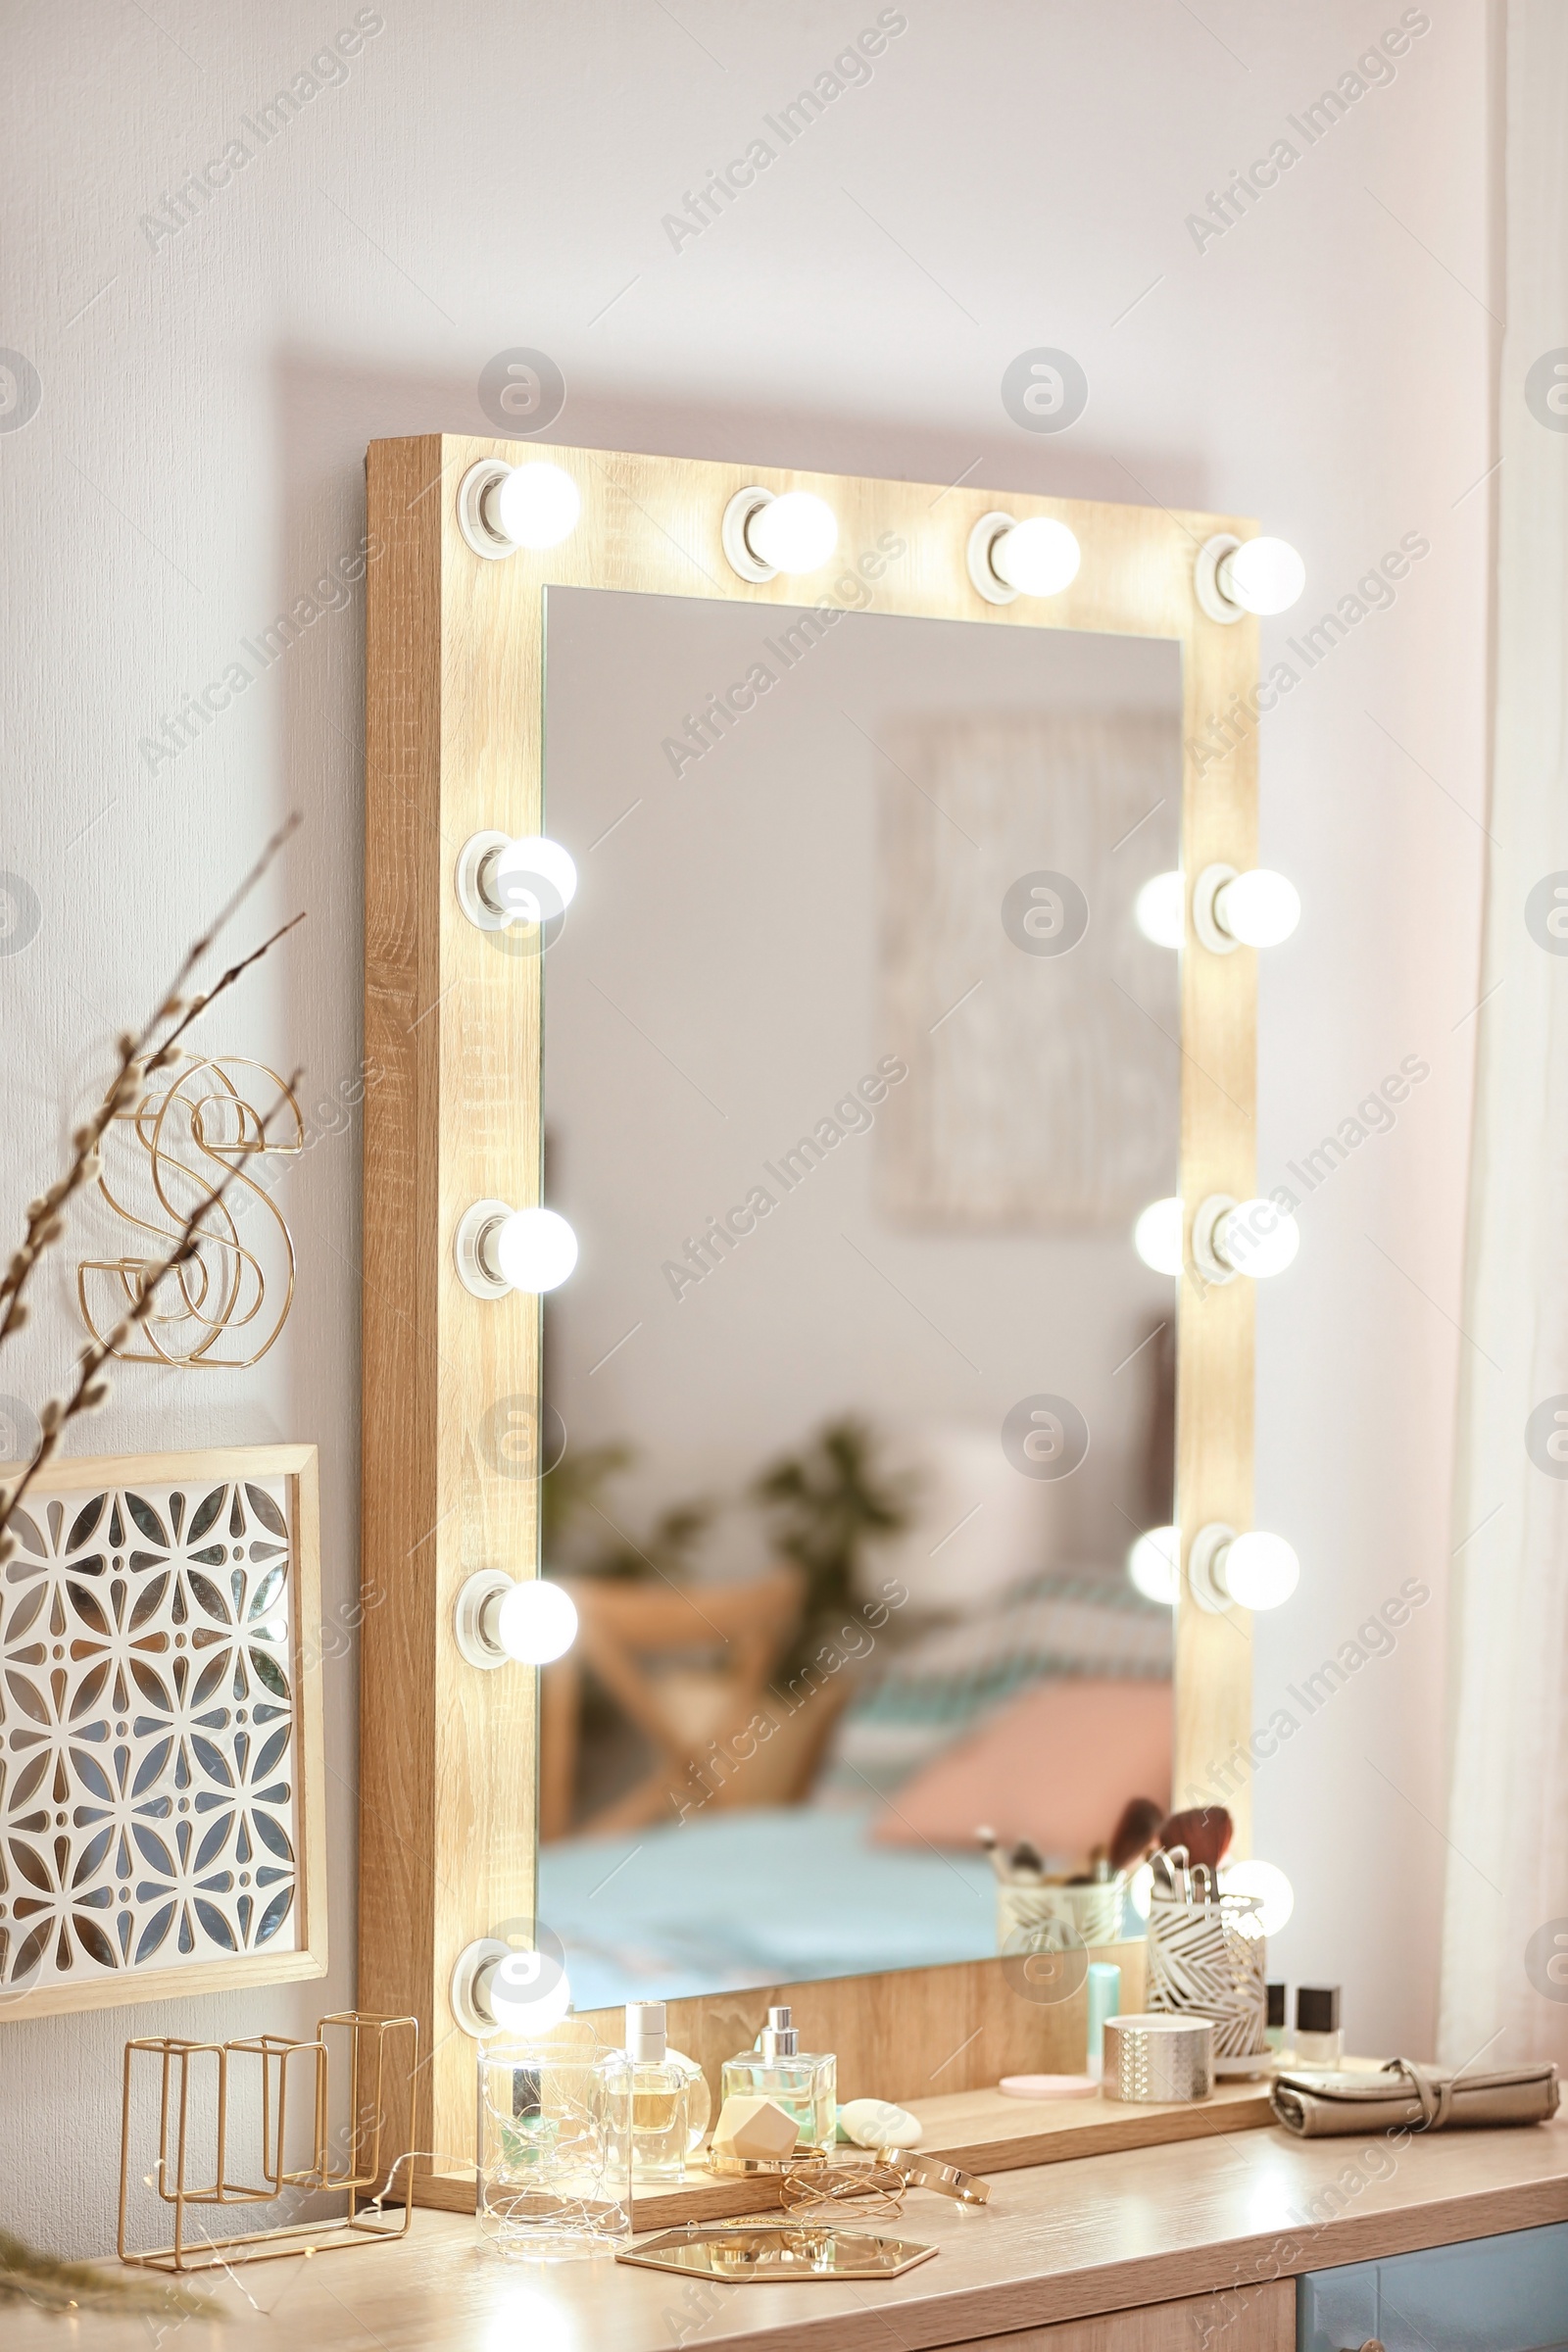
<point>555,2149</point>
<point>1202,1963</point>
<point>1093,1911</point>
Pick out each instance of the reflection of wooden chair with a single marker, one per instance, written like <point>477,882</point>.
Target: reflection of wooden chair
<point>690,1668</point>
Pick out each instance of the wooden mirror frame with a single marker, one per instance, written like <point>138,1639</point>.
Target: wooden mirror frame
<point>454,745</point>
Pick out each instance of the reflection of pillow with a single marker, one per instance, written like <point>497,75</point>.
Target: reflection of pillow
<point>940,1686</point>
<point>1057,1766</point>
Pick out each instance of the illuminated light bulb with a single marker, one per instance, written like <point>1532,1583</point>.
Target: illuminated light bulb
<point>797,532</point>
<point>514,1982</point>
<point>1261,575</point>
<point>1155,1565</point>
<point>534,1623</point>
<point>1272,1890</point>
<point>531,880</point>
<point>1258,1570</point>
<point>1038,557</point>
<point>503,1249</point>
<point>1254,909</point>
<point>535,1249</point>
<point>1226,1570</point>
<point>1259,909</point>
<point>1160,911</point>
<point>1158,1235</point>
<point>521,1618</point>
<point>528,1993</point>
<point>534,504</point>
<point>1256,1239</point>
<point>500,881</point>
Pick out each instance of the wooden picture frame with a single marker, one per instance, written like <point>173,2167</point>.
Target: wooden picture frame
<point>144,1700</point>
<point>454,720</point>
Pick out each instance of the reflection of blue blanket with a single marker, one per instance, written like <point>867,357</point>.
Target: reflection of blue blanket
<point>765,1897</point>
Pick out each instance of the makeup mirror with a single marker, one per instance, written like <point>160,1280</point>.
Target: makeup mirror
<point>860,1069</point>
<point>851,1062</point>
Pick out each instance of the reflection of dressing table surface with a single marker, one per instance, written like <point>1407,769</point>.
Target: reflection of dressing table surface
<point>1138,2252</point>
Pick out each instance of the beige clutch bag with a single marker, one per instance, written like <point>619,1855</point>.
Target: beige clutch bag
<point>1424,2098</point>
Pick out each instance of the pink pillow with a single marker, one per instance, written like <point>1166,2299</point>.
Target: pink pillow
<point>1055,1766</point>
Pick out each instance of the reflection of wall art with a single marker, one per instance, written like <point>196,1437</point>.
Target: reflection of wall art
<point>226,1305</point>
<point>161,1800</point>
<point>1043,1085</point>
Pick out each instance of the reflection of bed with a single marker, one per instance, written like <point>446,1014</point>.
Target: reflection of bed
<point>1065,1624</point>
<point>769,1893</point>
<point>768,1897</point>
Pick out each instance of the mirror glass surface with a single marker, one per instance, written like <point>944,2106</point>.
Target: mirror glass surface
<point>858,1071</point>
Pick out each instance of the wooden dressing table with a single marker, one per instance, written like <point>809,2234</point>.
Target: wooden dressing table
<point>1184,2246</point>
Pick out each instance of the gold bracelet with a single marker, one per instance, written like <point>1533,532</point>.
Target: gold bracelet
<point>928,2171</point>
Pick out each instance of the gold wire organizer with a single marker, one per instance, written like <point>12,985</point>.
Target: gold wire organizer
<point>229,1301</point>
<point>365,2175</point>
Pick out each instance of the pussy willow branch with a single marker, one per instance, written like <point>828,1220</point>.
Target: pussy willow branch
<point>90,1391</point>
<point>46,1214</point>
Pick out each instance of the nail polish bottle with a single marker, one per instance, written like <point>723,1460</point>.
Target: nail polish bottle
<point>1318,2038</point>
<point>802,2082</point>
<point>1274,2029</point>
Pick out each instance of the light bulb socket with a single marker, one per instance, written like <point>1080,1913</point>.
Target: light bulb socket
<point>478,1267</point>
<point>1206,579</point>
<point>1205,921</point>
<point>469,1993</point>
<point>732,533</point>
<point>1207,1220</point>
<point>474,1622</point>
<point>986,581</point>
<point>1205,1566</point>
<point>473,513</point>
<point>475,865</point>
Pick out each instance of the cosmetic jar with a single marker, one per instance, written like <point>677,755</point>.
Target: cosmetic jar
<point>1154,2059</point>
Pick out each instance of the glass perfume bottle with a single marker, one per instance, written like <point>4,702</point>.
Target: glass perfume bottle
<point>802,2082</point>
<point>669,2099</point>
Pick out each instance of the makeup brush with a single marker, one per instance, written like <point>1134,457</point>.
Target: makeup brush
<point>1025,1861</point>
<point>1137,1833</point>
<point>984,1839</point>
<point>1206,1831</point>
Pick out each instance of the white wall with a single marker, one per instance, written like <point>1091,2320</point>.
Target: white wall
<point>1014,176</point>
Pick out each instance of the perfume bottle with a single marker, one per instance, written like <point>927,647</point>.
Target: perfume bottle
<point>802,2082</point>
<point>669,2099</point>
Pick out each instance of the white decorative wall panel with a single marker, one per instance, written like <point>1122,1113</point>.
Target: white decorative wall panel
<point>149,1739</point>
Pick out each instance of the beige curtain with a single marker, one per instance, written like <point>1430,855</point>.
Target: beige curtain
<point>1505,1974</point>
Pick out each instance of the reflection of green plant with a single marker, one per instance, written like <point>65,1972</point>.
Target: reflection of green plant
<point>823,1507</point>
<point>664,1548</point>
<point>580,1533</point>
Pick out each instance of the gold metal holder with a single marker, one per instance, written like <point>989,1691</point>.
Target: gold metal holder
<point>229,1301</point>
<point>365,2175</point>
